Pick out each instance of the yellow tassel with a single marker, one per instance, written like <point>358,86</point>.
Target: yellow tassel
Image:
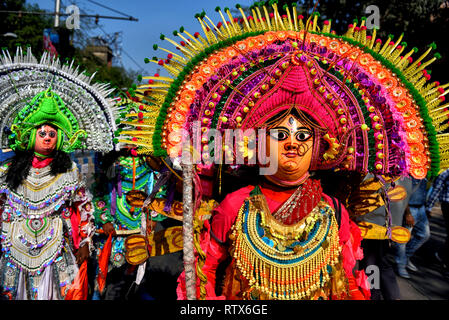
<point>442,115</point>
<point>424,65</point>
<point>176,57</point>
<point>211,34</point>
<point>173,69</point>
<point>413,66</point>
<point>377,47</point>
<point>386,44</point>
<point>419,85</point>
<point>190,44</point>
<point>415,78</point>
<point>137,143</point>
<point>373,38</point>
<point>257,22</point>
<point>289,17</point>
<point>252,23</point>
<point>390,51</point>
<point>396,56</point>
<point>136,133</point>
<point>214,27</point>
<point>425,90</point>
<point>259,15</point>
<point>404,59</point>
<point>225,23</point>
<point>356,35</point>
<point>204,41</point>
<point>158,78</point>
<point>350,31</point>
<point>277,17</point>
<point>248,28</point>
<point>183,49</point>
<point>301,25</point>
<point>267,18</point>
<point>327,27</point>
<point>155,85</point>
<point>435,102</point>
<point>205,31</point>
<point>435,89</point>
<point>308,26</point>
<point>443,138</point>
<point>233,24</point>
<point>200,44</point>
<point>161,91</point>
<point>363,36</point>
<point>136,124</point>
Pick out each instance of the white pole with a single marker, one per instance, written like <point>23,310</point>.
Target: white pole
<point>57,9</point>
<point>188,249</point>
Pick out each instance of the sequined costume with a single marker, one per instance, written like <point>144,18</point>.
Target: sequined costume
<point>46,209</point>
<point>43,222</point>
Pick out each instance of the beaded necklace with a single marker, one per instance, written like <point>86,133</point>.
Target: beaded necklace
<point>299,261</point>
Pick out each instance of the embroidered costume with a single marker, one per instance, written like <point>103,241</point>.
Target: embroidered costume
<point>48,216</point>
<point>42,222</point>
<point>352,103</point>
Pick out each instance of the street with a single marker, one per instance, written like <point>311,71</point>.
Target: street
<point>428,283</point>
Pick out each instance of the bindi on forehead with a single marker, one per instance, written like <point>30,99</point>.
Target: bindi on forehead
<point>292,123</point>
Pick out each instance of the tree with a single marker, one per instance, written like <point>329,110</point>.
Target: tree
<point>29,30</point>
<point>421,21</point>
<point>117,76</point>
<point>28,27</point>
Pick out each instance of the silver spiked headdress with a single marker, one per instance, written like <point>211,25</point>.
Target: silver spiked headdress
<point>23,77</point>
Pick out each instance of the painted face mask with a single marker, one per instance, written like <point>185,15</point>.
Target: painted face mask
<point>292,141</point>
<point>46,140</point>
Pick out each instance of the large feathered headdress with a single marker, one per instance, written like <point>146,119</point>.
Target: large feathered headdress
<point>380,111</point>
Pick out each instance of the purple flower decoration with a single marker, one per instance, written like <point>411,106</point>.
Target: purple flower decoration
<point>101,204</point>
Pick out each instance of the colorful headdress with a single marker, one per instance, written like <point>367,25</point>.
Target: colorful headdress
<point>381,112</point>
<point>35,93</point>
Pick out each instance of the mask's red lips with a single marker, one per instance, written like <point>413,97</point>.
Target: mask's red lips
<point>291,154</point>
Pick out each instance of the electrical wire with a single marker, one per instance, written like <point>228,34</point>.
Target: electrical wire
<point>116,11</point>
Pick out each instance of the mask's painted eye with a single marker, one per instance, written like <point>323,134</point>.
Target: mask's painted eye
<point>303,135</point>
<point>279,135</point>
<point>52,134</point>
<point>42,134</point>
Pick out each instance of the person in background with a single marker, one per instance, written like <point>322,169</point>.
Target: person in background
<point>440,192</point>
<point>379,250</point>
<point>416,220</point>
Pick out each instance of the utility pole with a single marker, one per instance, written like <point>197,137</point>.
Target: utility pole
<point>57,9</point>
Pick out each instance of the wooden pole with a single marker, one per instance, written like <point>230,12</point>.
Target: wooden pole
<point>188,248</point>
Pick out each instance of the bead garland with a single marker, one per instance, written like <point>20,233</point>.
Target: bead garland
<point>281,272</point>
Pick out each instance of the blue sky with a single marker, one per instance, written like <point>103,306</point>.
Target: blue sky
<point>155,17</point>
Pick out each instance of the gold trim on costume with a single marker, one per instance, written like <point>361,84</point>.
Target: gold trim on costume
<point>301,261</point>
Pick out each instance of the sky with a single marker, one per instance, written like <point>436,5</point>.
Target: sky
<point>155,17</point>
